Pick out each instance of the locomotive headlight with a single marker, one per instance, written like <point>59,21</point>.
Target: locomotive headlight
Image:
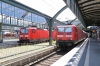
<point>21,35</point>
<point>26,35</point>
<point>59,35</point>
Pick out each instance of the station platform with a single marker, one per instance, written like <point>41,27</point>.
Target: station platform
<point>86,55</point>
<point>91,54</point>
<point>14,39</point>
<point>19,55</point>
<point>13,51</point>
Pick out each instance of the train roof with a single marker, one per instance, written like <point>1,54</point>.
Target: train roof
<point>31,27</point>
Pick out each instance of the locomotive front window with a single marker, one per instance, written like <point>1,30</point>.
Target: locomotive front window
<point>68,29</point>
<point>24,31</point>
<point>61,29</point>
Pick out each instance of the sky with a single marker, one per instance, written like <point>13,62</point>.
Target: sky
<point>50,7</point>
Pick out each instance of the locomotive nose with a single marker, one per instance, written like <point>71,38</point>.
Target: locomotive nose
<point>23,37</point>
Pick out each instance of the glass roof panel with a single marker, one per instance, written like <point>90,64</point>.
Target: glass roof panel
<point>50,7</point>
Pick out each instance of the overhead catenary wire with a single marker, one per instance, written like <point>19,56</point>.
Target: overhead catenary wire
<point>51,5</point>
<point>55,8</point>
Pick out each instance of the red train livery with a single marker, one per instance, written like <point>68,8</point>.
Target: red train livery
<point>34,34</point>
<point>69,35</point>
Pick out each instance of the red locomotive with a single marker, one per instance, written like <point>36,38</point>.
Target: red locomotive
<point>34,34</point>
<point>69,35</point>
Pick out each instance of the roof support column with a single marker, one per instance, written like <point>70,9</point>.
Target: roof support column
<point>51,23</point>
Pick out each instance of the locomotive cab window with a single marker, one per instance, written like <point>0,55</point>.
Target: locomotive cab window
<point>68,29</point>
<point>24,31</point>
<point>61,29</point>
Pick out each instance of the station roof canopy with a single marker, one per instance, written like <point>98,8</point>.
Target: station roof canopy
<point>90,11</point>
<point>51,8</point>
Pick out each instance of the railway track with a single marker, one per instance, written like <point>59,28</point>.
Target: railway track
<point>42,58</point>
<point>48,60</point>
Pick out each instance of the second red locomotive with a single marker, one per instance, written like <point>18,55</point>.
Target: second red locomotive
<point>34,34</point>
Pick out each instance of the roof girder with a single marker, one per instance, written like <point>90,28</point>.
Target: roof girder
<point>74,7</point>
<point>90,4</point>
<point>84,2</point>
<point>90,10</point>
<point>93,14</point>
<point>92,17</point>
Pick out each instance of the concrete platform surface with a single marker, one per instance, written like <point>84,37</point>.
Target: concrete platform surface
<point>91,54</point>
<point>8,53</point>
